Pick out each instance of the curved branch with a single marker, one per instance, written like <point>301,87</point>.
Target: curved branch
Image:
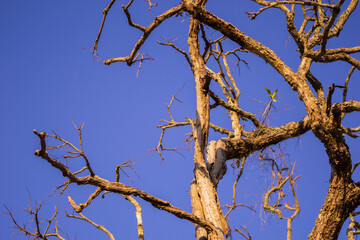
<point>266,205</point>
<point>128,16</point>
<point>347,83</point>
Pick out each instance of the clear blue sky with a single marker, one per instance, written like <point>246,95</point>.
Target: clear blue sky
<point>49,78</point>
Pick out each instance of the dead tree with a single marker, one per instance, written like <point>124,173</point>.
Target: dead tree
<point>321,21</point>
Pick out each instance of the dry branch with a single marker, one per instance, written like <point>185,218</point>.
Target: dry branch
<point>117,187</point>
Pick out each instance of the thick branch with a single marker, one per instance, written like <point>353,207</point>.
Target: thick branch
<point>230,148</point>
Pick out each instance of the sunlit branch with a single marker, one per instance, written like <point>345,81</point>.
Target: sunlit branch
<point>273,208</point>
<point>295,80</point>
<point>169,124</point>
<point>349,131</point>
<point>341,56</point>
<point>347,83</point>
<point>339,50</point>
<point>331,90</point>
<point>138,216</point>
<point>127,13</point>
<point>150,6</point>
<point>227,89</point>
<point>246,236</point>
<point>316,84</point>
<point>263,137</point>
<point>228,72</point>
<point>353,228</point>
<point>338,109</point>
<point>292,180</point>
<point>289,17</point>
<point>126,164</point>
<point>279,188</point>
<point>305,21</point>
<point>334,14</point>
<point>354,167</point>
<point>76,152</point>
<point>303,2</point>
<point>221,130</point>
<point>208,45</point>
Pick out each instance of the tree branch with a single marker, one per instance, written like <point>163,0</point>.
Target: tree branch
<point>117,187</point>
<point>147,31</point>
<point>105,12</point>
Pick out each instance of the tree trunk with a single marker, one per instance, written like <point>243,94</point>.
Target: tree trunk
<point>341,200</point>
<point>205,188</point>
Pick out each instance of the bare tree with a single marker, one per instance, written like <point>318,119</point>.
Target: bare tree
<point>208,59</point>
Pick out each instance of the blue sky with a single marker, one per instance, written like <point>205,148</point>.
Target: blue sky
<point>49,78</point>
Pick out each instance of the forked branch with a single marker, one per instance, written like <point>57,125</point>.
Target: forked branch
<point>147,31</point>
